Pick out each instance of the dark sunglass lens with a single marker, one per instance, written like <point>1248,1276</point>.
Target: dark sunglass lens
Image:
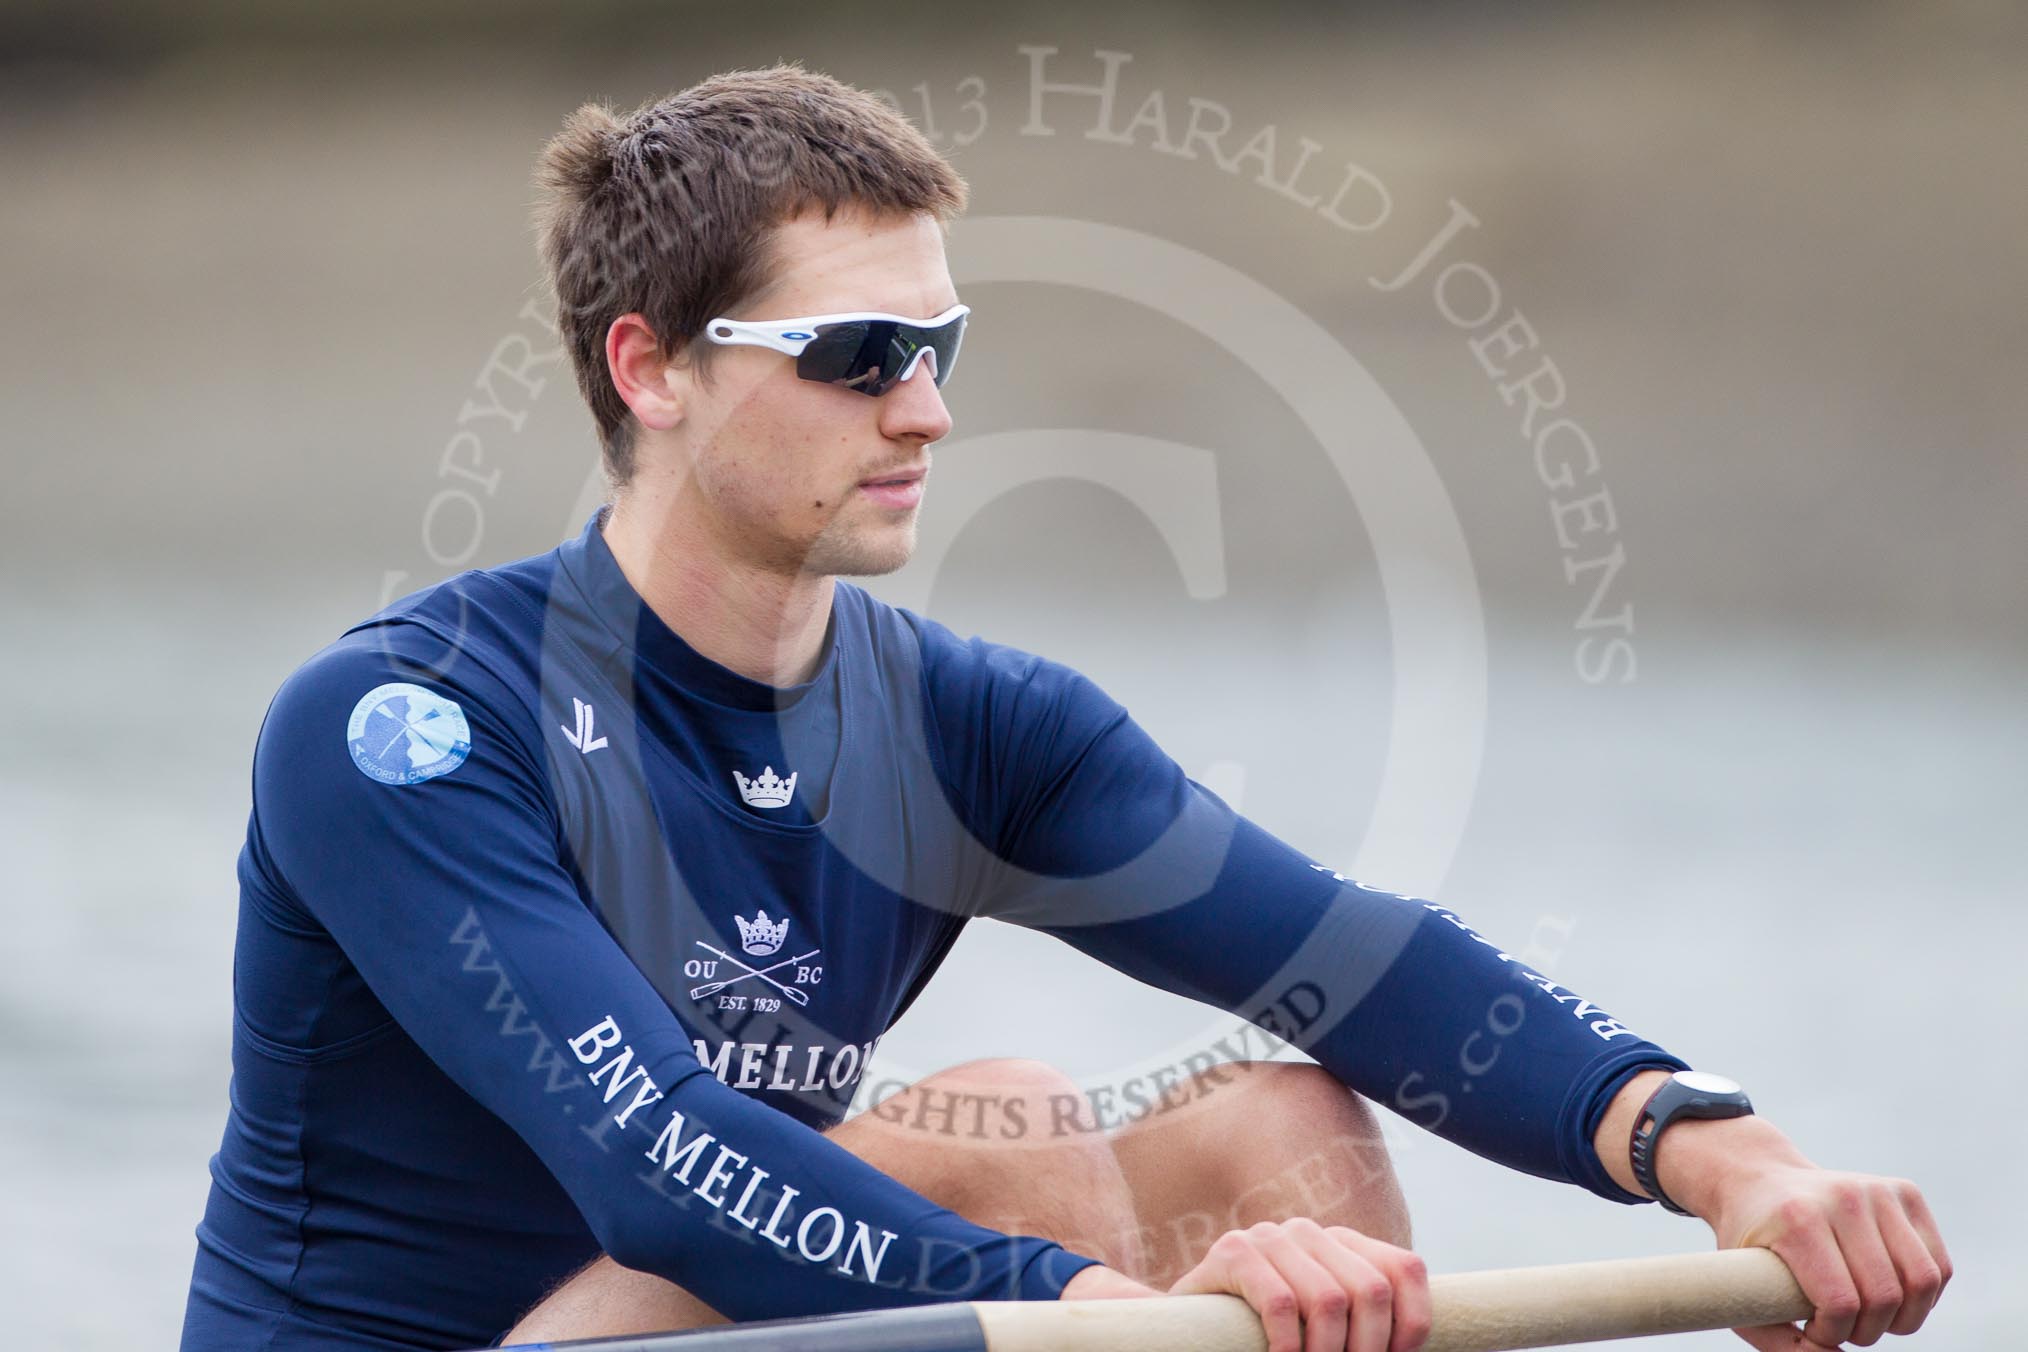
<point>868,354</point>
<point>853,354</point>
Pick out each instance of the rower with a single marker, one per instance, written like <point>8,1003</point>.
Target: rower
<point>579,891</point>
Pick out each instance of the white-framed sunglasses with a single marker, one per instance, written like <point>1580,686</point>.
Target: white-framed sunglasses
<point>865,350</point>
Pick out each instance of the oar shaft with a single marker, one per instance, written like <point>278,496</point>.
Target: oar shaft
<point>1471,1311</point>
<point>1626,1298</point>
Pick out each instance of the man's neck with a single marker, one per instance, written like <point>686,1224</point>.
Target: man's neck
<point>766,625</point>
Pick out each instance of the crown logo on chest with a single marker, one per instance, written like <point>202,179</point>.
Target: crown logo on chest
<point>766,789</point>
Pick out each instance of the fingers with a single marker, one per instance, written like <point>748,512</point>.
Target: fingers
<point>1864,1250</point>
<point>1922,1274</point>
<point>1324,1279</point>
<point>1810,1249</point>
<point>1408,1285</point>
<point>1916,1209</point>
<point>1319,1290</point>
<point>1233,1264</point>
<point>1873,1274</point>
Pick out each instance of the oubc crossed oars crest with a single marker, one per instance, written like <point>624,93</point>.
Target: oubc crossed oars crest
<point>712,988</point>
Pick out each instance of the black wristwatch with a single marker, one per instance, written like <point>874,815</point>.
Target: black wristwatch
<point>1687,1093</point>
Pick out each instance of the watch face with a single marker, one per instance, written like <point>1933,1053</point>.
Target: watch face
<point>1704,1082</point>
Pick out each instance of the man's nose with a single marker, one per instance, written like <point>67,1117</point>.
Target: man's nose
<point>915,406</point>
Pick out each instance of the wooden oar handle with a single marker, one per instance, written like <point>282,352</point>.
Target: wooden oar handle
<point>1471,1311</point>
<point>1627,1298</point>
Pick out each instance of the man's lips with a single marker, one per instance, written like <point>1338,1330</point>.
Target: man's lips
<point>910,474</point>
<point>899,489</point>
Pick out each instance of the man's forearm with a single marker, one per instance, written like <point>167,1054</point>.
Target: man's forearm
<point>1695,1157</point>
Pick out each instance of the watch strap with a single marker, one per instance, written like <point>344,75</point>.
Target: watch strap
<point>1673,1099</point>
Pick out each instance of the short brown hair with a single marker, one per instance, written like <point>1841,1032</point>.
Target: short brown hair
<point>670,211</point>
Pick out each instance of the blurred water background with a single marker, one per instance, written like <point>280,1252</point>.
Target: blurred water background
<point>255,268</point>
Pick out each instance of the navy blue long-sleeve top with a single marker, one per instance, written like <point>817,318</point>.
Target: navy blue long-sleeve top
<point>557,938</point>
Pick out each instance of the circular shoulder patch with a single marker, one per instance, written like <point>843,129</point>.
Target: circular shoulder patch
<point>403,734</point>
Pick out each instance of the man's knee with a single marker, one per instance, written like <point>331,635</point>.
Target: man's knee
<point>1299,1092</point>
<point>1342,1173</point>
<point>1008,1143</point>
<point>1308,1146</point>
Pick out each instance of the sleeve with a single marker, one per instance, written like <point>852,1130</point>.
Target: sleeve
<point>1107,845</point>
<point>400,810</point>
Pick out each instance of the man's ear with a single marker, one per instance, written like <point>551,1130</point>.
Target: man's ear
<point>648,382</point>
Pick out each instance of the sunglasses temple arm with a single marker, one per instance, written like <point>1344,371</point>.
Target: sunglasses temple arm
<point>735,333</point>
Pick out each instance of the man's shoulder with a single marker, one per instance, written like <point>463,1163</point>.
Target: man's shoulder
<point>470,639</point>
<point>505,600</point>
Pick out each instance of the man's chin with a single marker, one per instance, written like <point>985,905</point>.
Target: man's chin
<point>873,552</point>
